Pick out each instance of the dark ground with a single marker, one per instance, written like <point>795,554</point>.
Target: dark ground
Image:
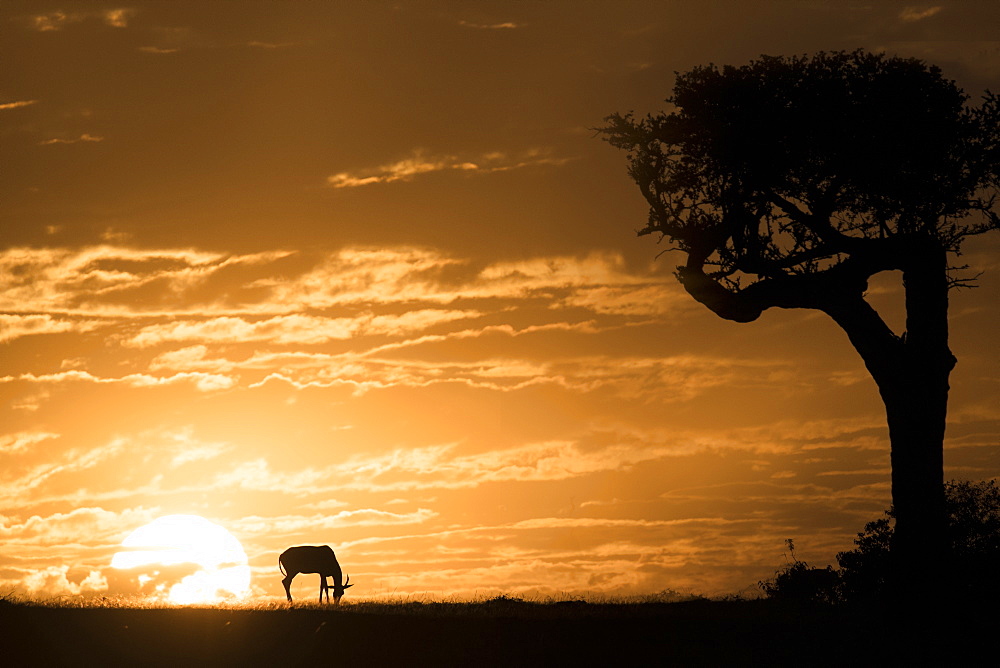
<point>502,632</point>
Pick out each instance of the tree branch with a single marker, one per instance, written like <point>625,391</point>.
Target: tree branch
<point>879,347</point>
<point>815,290</point>
<point>820,226</point>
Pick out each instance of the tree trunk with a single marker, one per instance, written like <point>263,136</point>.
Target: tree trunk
<point>912,372</point>
<point>916,401</point>
<point>916,404</point>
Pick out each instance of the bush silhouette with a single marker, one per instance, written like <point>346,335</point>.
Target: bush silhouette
<point>973,530</point>
<point>798,582</point>
<point>968,572</point>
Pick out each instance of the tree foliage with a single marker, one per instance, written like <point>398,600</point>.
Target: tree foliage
<point>790,177</point>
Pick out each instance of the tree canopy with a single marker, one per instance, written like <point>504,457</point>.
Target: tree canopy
<point>792,179</point>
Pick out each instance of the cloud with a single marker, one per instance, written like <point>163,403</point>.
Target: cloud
<point>295,329</point>
<point>192,357</point>
<point>647,379</point>
<point>438,467</point>
<point>72,461</point>
<point>64,553</point>
<point>13,326</point>
<point>141,465</point>
<point>105,279</point>
<point>22,442</point>
<point>296,524</point>
<point>53,581</point>
<point>506,25</point>
<point>404,170</point>
<point>54,20</point>
<point>271,45</point>
<point>17,105</point>
<point>157,49</point>
<point>257,475</point>
<point>118,18</point>
<point>118,281</point>
<point>86,138</point>
<point>57,20</point>
<point>87,525</point>
<point>367,275</point>
<point>398,294</point>
<point>408,168</point>
<point>655,299</point>
<point>204,382</point>
<point>191,451</point>
<point>912,14</point>
<point>407,275</point>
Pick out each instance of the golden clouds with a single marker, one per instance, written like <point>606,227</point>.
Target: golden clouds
<point>52,581</point>
<point>294,329</point>
<point>440,467</point>
<point>506,25</point>
<point>382,305</point>
<point>53,21</point>
<point>107,280</point>
<point>365,517</point>
<point>662,379</point>
<point>22,441</point>
<point>19,484</point>
<point>388,276</point>
<point>72,527</point>
<point>912,14</point>
<point>204,382</point>
<point>17,104</point>
<point>13,326</point>
<point>85,138</point>
<point>118,18</point>
<point>57,20</point>
<point>356,320</point>
<point>404,170</point>
<point>409,168</point>
<point>157,49</point>
<point>40,571</point>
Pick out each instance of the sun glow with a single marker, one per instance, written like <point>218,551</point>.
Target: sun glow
<point>185,559</point>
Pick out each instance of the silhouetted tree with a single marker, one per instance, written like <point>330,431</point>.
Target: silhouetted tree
<point>789,182</point>
<point>972,510</point>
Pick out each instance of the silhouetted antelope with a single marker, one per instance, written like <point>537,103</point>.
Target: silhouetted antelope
<point>313,559</point>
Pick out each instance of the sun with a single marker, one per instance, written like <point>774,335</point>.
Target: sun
<point>185,559</point>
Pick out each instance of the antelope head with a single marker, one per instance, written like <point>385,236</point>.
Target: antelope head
<point>338,590</point>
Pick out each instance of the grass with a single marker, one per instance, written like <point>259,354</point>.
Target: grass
<point>498,631</point>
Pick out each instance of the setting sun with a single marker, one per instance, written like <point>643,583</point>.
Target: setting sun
<point>209,561</point>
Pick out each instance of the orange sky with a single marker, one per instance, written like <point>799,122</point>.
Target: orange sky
<point>360,274</point>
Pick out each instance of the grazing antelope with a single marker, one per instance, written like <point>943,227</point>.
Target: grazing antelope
<point>313,559</point>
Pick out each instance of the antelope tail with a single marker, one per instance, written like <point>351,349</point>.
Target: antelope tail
<point>281,567</point>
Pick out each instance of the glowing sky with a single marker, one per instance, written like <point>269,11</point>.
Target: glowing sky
<point>359,274</point>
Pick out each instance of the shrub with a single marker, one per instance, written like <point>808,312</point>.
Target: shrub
<point>798,582</point>
<point>973,510</point>
<point>971,571</point>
